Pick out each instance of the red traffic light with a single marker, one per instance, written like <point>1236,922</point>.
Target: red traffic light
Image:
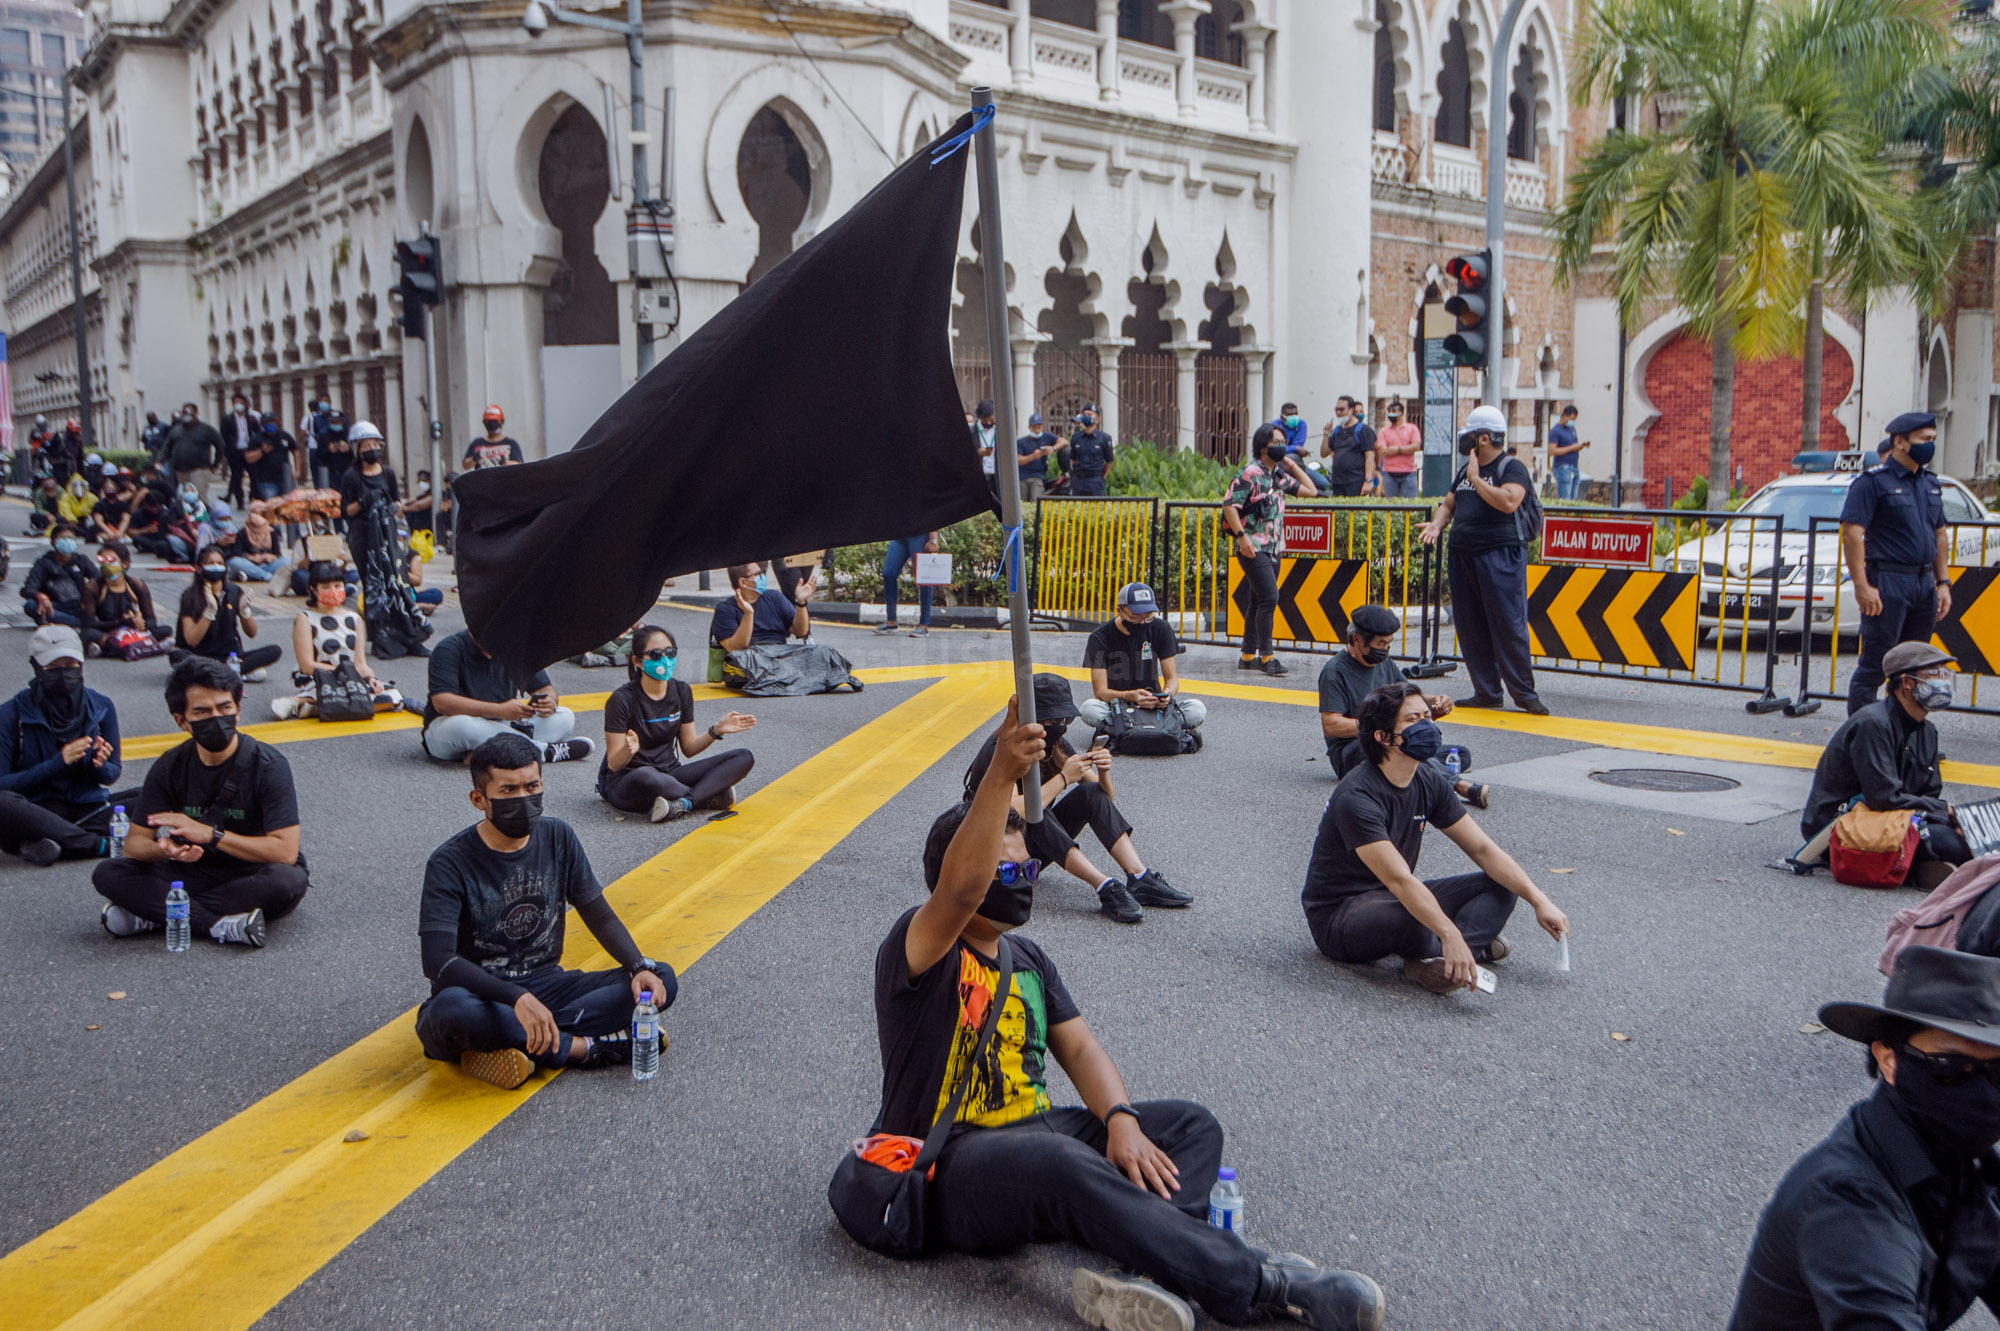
<point>1469,271</point>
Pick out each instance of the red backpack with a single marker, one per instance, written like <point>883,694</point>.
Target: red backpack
<point>1873,847</point>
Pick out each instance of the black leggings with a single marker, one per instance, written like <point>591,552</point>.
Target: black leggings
<point>634,789</point>
<point>1260,580</point>
<point>250,658</point>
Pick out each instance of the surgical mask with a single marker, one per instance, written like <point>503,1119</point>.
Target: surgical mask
<point>1934,695</point>
<point>1008,904</point>
<point>1375,656</point>
<point>763,583</point>
<point>660,669</point>
<point>213,572</point>
<point>1958,1110</point>
<point>332,598</point>
<point>1422,739</point>
<point>66,545</point>
<point>1291,422</point>
<point>515,815</point>
<point>1921,454</point>
<point>214,733</point>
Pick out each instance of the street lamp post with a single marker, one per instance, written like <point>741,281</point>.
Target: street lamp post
<point>76,277</point>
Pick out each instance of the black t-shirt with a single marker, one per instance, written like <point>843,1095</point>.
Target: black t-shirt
<point>1344,682</point>
<point>270,469</point>
<point>1130,654</point>
<point>769,627</point>
<point>928,1024</point>
<point>222,637</point>
<point>110,512</point>
<point>358,487</point>
<point>506,910</point>
<point>1477,526</point>
<point>1351,445</point>
<point>457,666</point>
<point>482,453</point>
<point>265,800</point>
<point>1367,807</point>
<point>658,724</point>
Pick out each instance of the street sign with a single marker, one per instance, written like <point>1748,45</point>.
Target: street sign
<point>1614,615</point>
<point>1309,534</point>
<point>1971,631</point>
<point>1597,541</point>
<point>1315,598</point>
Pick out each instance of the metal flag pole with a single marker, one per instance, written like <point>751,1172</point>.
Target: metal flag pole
<point>1006,470</point>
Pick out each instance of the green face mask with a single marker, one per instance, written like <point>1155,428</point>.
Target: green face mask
<point>1291,422</point>
<point>663,668</point>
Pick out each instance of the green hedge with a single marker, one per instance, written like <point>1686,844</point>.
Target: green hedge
<point>855,571</point>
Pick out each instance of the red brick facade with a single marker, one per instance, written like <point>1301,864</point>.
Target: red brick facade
<point>1764,420</point>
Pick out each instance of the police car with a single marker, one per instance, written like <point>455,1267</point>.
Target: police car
<point>1735,566</point>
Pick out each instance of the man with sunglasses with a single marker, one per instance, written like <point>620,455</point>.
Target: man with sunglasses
<point>1128,1181</point>
<point>1893,1221</point>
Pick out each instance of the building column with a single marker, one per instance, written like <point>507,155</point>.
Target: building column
<point>1184,13</point>
<point>1254,404</point>
<point>1108,399</point>
<point>1184,354</point>
<point>1107,51</point>
<point>1256,36</point>
<point>1021,44</point>
<point>1024,381</point>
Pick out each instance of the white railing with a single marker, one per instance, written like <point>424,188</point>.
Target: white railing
<point>1147,78</point>
<point>1066,55</point>
<point>1452,174</point>
<point>981,32</point>
<point>1527,187</point>
<point>1389,162</point>
<point>1222,95</point>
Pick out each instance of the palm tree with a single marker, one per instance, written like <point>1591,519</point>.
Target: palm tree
<point>1957,118</point>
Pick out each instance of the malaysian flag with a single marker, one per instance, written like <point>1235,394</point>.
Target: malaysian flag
<point>6,401</point>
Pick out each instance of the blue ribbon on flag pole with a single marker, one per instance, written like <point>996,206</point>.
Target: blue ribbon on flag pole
<point>981,119</point>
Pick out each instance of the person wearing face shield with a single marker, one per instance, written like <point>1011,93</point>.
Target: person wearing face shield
<point>1897,549</point>
<point>52,592</point>
<point>1128,1181</point>
<point>1886,756</point>
<point>218,814</point>
<point>1893,1221</point>
<point>491,924</point>
<point>1347,679</point>
<point>1363,899</point>
<point>59,756</point>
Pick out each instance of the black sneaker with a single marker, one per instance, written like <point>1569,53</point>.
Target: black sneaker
<point>1150,889</point>
<point>1535,707</point>
<point>122,923</point>
<point>1248,663</point>
<point>614,1051</point>
<point>1116,900</point>
<point>569,750</point>
<point>1497,950</point>
<point>1477,795</point>
<point>720,800</point>
<point>1344,1300</point>
<point>1271,665</point>
<point>1476,701</point>
<point>41,852</point>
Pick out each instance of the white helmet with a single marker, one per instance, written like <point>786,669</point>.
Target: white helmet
<point>361,431</point>
<point>1490,419</point>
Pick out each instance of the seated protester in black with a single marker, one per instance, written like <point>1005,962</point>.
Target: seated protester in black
<point>52,589</point>
<point>58,757</point>
<point>759,615</point>
<point>1130,1182</point>
<point>1077,793</point>
<point>491,923</point>
<point>1131,662</point>
<point>214,620</point>
<point>218,814</point>
<point>115,600</point>
<point>1349,676</point>
<point>1886,755</point>
<point>1362,897</point>
<point>650,740</point>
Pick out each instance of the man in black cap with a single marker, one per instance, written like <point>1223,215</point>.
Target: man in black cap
<point>1886,755</point>
<point>1131,663</point>
<point>1347,679</point>
<point>1089,454</point>
<point>1892,534</point>
<point>1893,1221</point>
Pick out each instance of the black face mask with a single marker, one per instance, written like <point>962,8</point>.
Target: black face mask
<point>1375,656</point>
<point>1276,453</point>
<point>371,455</point>
<point>1008,906</point>
<point>1962,1119</point>
<point>214,572</point>
<point>61,682</point>
<point>214,733</point>
<point>514,815</point>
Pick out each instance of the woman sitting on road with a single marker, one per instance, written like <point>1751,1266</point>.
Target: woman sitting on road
<point>115,600</point>
<point>649,733</point>
<point>214,619</point>
<point>327,632</point>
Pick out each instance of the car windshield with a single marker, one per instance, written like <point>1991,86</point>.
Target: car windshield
<point>1797,505</point>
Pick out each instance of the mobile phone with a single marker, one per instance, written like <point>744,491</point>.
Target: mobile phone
<point>1102,739</point>
<point>1485,981</point>
<point>718,817</point>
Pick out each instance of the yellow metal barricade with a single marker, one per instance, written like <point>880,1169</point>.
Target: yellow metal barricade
<point>1085,550</point>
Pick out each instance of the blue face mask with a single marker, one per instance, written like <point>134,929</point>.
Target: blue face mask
<point>763,583</point>
<point>66,545</point>
<point>1921,454</point>
<point>660,669</point>
<point>1422,740</point>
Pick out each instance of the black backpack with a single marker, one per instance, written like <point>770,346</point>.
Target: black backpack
<point>340,694</point>
<point>1140,733</point>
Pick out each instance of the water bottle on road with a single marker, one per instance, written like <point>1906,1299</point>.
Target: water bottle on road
<point>1225,1202</point>
<point>236,665</point>
<point>179,932</point>
<point>645,1039</point>
<point>121,826</point>
<point>1452,763</point>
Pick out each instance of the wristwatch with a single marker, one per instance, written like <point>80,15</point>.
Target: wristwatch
<point>216,839</point>
<point>713,737</point>
<point>1120,1108</point>
<point>645,964</point>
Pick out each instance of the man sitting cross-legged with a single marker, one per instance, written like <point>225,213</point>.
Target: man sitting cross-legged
<point>491,923</point>
<point>472,699</point>
<point>1128,1181</point>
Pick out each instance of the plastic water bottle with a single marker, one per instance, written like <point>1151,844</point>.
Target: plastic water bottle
<point>236,664</point>
<point>645,1039</point>
<point>120,827</point>
<point>1225,1202</point>
<point>1452,763</point>
<point>179,932</point>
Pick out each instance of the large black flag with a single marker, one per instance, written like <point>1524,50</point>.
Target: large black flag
<point>818,409</point>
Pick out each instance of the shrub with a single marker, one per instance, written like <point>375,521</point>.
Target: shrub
<point>1142,469</point>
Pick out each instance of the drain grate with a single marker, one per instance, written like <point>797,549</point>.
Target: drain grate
<point>1665,779</point>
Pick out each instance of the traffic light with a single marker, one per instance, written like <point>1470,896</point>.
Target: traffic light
<point>421,283</point>
<point>1471,271</point>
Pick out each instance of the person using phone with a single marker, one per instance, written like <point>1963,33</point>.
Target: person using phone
<point>1132,663</point>
<point>1254,513</point>
<point>472,699</point>
<point>1363,899</point>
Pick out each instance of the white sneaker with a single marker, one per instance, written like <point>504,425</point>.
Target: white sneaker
<point>246,928</point>
<point>667,811</point>
<point>256,676</point>
<point>122,923</point>
<point>286,708</point>
<point>1127,1303</point>
<point>568,750</point>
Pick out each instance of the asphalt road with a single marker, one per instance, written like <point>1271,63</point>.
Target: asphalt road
<point>1495,1162</point>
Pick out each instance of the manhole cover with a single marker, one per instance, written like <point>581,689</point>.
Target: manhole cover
<point>1665,779</point>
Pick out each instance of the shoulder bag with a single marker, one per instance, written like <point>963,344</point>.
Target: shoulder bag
<point>340,694</point>
<point>1873,847</point>
<point>880,1191</point>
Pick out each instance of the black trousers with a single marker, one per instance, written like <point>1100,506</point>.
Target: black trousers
<point>80,829</point>
<point>456,1021</point>
<point>238,470</point>
<point>1489,610</point>
<point>1046,1180</point>
<point>1943,843</point>
<point>1371,925</point>
<point>1052,839</point>
<point>1086,485</point>
<point>250,658</point>
<point>634,789</point>
<point>1260,579</point>
<point>1909,612</point>
<point>142,889</point>
<point>1346,489</point>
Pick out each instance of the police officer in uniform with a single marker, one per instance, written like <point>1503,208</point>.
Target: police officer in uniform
<point>1089,455</point>
<point>1892,534</point>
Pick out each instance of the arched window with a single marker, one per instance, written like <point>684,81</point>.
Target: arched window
<point>1454,85</point>
<point>1521,110</point>
<point>1385,71</point>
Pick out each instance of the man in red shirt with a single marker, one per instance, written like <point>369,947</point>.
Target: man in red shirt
<point>1399,450</point>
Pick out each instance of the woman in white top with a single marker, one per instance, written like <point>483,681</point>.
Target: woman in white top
<point>327,632</point>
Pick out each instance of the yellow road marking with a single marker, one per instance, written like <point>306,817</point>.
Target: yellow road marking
<point>217,1233</point>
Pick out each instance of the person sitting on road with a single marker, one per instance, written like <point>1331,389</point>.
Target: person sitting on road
<point>44,505</point>
<point>158,526</point>
<point>326,633</point>
<point>472,699</point>
<point>491,922</point>
<point>1130,1182</point>
<point>52,591</point>
<point>1890,1220</point>
<point>758,615</point>
<point>1077,792</point>
<point>111,520</point>
<point>1886,756</point>
<point>1363,899</point>
<point>1132,663</point>
<point>258,552</point>
<point>237,852</point>
<point>428,598</point>
<point>650,740</point>
<point>1350,676</point>
<point>214,619</point>
<point>116,600</point>
<point>59,756</point>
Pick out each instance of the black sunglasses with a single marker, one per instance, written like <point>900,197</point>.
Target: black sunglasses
<point>1953,1069</point>
<point>1010,873</point>
<point>657,654</point>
